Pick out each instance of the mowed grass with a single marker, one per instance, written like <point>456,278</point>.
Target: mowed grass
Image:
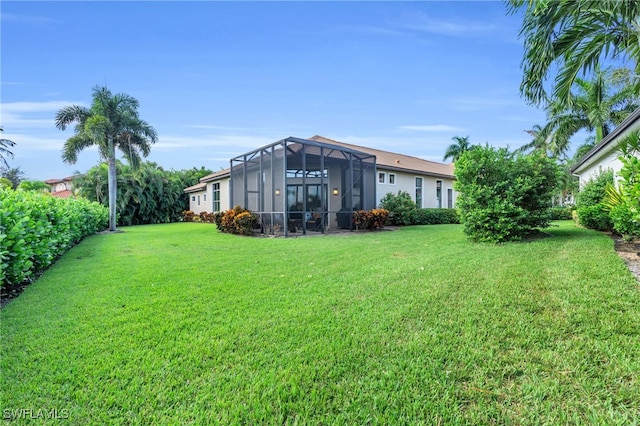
<point>178,324</point>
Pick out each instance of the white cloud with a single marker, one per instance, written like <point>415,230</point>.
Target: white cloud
<point>31,114</point>
<point>432,128</point>
<point>425,24</point>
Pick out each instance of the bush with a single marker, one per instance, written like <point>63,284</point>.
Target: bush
<point>436,216</point>
<point>623,220</point>
<point>188,215</point>
<point>503,196</point>
<point>36,228</point>
<point>561,213</point>
<point>594,217</point>
<point>402,209</point>
<point>592,213</point>
<point>236,221</point>
<point>373,219</point>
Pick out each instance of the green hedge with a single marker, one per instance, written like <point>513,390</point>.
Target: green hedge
<point>436,216</point>
<point>36,228</point>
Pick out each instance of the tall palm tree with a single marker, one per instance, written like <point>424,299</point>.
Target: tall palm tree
<point>456,149</point>
<point>543,142</point>
<point>596,105</point>
<point>5,144</point>
<point>573,36</point>
<point>111,122</point>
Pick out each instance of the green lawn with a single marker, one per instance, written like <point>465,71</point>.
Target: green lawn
<point>178,324</point>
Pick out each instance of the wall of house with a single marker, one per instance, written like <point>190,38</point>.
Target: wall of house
<point>607,161</point>
<point>407,182</point>
<point>199,201</point>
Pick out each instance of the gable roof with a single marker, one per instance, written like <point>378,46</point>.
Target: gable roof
<point>399,162</point>
<point>609,142</point>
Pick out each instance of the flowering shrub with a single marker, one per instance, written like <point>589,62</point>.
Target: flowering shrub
<point>36,228</point>
<point>236,221</point>
<point>187,216</point>
<point>372,219</point>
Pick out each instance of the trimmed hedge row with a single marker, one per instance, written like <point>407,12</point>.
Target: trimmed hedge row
<point>36,228</point>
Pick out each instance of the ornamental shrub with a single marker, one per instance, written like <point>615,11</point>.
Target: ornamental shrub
<point>402,209</point>
<point>625,215</point>
<point>370,219</point>
<point>561,212</point>
<point>36,228</point>
<point>503,195</point>
<point>236,221</point>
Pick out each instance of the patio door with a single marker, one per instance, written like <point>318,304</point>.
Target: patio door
<point>296,195</point>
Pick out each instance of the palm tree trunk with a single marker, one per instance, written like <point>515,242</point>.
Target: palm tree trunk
<point>112,184</point>
<point>599,134</point>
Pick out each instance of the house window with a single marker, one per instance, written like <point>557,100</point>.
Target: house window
<point>205,197</point>
<point>439,194</point>
<point>216,197</point>
<point>193,198</point>
<point>392,178</point>
<point>419,192</point>
<point>198,200</point>
<point>382,177</point>
<point>450,198</point>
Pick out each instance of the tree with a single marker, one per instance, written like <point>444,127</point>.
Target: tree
<point>573,37</point>
<point>597,105</point>
<point>456,149</point>
<point>5,144</point>
<point>111,122</point>
<point>13,174</point>
<point>34,185</point>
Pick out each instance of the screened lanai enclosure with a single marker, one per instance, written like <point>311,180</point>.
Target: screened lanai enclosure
<point>299,186</point>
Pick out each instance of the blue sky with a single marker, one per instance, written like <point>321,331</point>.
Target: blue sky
<point>217,79</point>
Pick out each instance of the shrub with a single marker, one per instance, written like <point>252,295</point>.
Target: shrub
<point>625,202</point>
<point>592,213</point>
<point>36,228</point>
<point>622,218</point>
<point>187,216</point>
<point>236,221</point>
<point>436,216</point>
<point>561,213</point>
<point>503,196</point>
<point>372,219</point>
<point>402,209</point>
<point>594,217</point>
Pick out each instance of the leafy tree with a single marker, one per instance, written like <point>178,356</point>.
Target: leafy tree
<point>573,37</point>
<point>5,183</point>
<point>503,196</point>
<point>456,149</point>
<point>14,174</point>
<point>33,185</point>
<point>111,122</point>
<point>148,194</point>
<point>5,144</point>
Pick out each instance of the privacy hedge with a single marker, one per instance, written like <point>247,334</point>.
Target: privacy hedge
<point>36,228</point>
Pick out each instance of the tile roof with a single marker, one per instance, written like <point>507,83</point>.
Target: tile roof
<point>62,194</point>
<point>197,187</point>
<point>399,162</point>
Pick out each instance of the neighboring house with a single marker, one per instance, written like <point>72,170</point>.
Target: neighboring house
<point>315,184</point>
<point>604,155</point>
<point>61,188</point>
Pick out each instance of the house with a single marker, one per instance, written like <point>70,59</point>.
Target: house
<point>311,185</point>
<point>61,188</point>
<point>605,154</point>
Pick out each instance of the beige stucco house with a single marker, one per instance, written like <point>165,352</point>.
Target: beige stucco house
<point>604,155</point>
<point>315,184</point>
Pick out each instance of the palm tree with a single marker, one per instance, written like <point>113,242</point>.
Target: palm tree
<point>5,144</point>
<point>456,149</point>
<point>111,122</point>
<point>597,105</point>
<point>573,37</point>
<point>543,142</point>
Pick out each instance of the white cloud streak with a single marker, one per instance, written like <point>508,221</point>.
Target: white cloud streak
<point>432,128</point>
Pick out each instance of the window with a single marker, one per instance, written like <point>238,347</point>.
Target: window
<point>298,173</point>
<point>198,200</point>
<point>193,198</point>
<point>392,178</point>
<point>439,194</point>
<point>205,197</point>
<point>216,197</point>
<point>419,192</point>
<point>382,178</point>
<point>450,198</point>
